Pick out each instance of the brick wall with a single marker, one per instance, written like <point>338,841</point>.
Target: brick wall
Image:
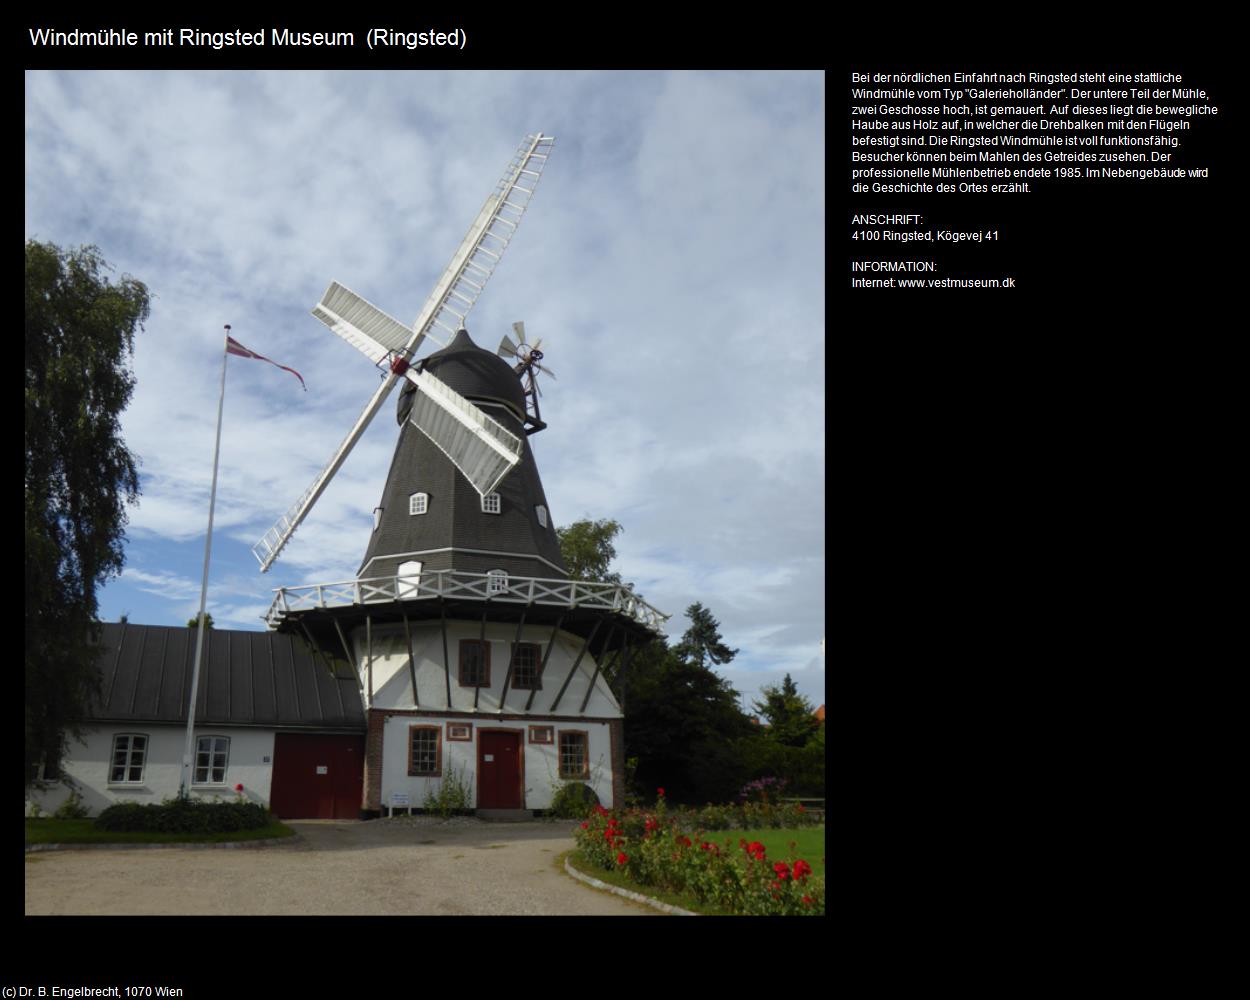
<point>616,736</point>
<point>373,762</point>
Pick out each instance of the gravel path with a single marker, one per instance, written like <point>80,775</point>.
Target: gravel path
<point>388,867</point>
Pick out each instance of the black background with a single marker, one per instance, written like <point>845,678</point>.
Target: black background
<point>1015,478</point>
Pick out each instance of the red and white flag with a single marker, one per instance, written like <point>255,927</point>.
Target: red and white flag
<point>237,349</point>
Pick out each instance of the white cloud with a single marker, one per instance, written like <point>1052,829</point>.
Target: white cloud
<point>164,584</point>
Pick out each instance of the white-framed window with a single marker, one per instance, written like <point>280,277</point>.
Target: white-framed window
<point>541,511</point>
<point>129,752</point>
<point>408,579</point>
<point>418,503</point>
<point>377,517</point>
<point>212,753</point>
<point>491,504</point>
<point>497,581</point>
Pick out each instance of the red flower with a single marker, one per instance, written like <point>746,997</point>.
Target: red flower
<point>238,787</point>
<point>622,858</point>
<point>782,869</point>
<point>585,826</point>
<point>684,841</point>
<point>807,900</point>
<point>660,792</point>
<point>801,809</point>
<point>755,849</point>
<point>801,870</point>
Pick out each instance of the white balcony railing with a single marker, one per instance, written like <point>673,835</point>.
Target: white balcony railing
<point>448,583</point>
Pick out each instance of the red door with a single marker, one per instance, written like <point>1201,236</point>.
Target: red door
<point>498,770</point>
<point>317,776</point>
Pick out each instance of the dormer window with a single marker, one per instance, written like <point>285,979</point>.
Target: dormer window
<point>377,517</point>
<point>541,511</point>
<point>418,503</point>
<point>497,581</point>
<point>491,504</point>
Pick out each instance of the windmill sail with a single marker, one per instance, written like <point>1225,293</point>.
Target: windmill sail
<point>479,446</point>
<point>447,306</point>
<point>361,323</point>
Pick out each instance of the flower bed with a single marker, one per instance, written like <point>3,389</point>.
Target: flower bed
<point>746,816</point>
<point>654,848</point>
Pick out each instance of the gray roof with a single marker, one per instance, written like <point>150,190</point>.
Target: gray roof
<point>476,373</point>
<point>246,679</point>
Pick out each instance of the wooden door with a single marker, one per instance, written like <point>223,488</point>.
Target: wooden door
<point>498,769</point>
<point>317,776</point>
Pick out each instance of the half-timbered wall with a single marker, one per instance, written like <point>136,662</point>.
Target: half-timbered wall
<point>392,680</point>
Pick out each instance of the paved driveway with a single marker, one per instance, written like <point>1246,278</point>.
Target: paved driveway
<point>384,867</point>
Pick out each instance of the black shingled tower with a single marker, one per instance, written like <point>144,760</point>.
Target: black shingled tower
<point>455,533</point>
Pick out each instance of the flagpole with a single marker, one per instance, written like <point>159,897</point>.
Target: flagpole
<point>185,785</point>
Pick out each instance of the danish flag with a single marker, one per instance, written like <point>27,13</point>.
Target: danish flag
<point>237,349</point>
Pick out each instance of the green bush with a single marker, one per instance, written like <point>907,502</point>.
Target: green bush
<point>574,800</point>
<point>183,816</point>
<point>453,795</point>
<point>746,816</point>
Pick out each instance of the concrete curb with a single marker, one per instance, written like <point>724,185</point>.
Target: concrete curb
<point>635,896</point>
<point>227,845</point>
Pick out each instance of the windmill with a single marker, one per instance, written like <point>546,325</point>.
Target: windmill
<point>472,645</point>
<point>479,446</point>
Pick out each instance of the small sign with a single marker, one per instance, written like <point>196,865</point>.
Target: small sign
<point>399,799</point>
<point>264,760</point>
<point>322,769</point>
<point>489,758</point>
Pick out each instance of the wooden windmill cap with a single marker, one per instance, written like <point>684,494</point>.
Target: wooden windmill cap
<point>477,374</point>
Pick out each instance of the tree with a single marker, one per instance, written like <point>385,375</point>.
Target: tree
<point>701,642</point>
<point>683,720</point>
<point>79,476</point>
<point>791,721</point>
<point>587,549</point>
<point>194,620</point>
<point>684,725</point>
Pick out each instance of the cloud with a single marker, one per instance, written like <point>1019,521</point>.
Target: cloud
<point>164,584</point>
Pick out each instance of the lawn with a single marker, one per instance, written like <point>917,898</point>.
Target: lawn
<point>83,831</point>
<point>809,841</point>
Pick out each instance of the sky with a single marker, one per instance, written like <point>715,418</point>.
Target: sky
<point>672,261</point>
